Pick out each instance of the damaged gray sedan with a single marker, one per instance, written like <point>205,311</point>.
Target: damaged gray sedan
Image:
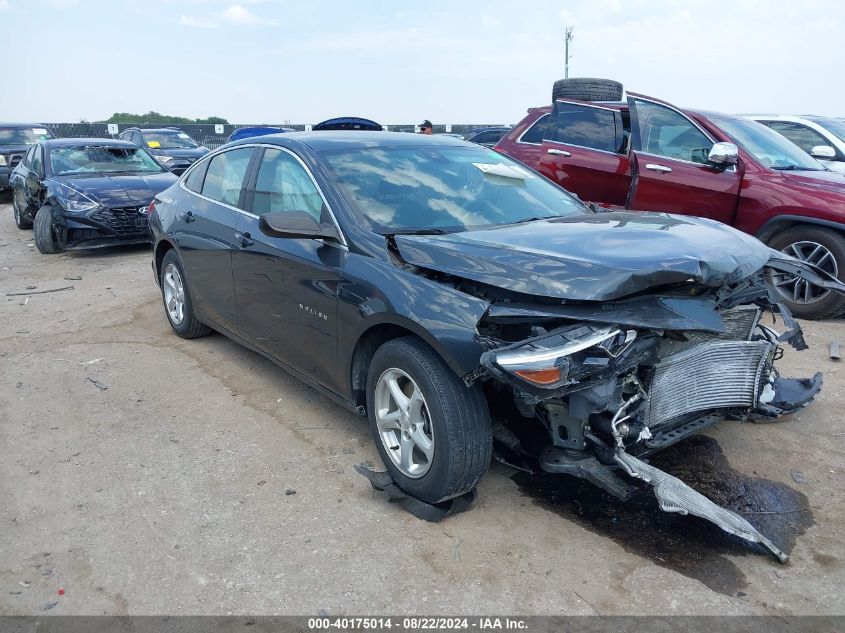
<point>454,296</point>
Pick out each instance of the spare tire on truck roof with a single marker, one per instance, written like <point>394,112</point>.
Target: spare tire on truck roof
<point>587,89</point>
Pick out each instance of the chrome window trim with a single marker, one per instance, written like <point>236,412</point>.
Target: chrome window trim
<point>526,130</point>
<point>732,168</point>
<point>592,149</point>
<point>217,152</point>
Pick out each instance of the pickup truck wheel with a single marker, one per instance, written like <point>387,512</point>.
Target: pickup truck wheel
<point>587,89</point>
<point>825,249</point>
<point>433,433</point>
<point>45,236</point>
<point>177,299</point>
<point>21,222</point>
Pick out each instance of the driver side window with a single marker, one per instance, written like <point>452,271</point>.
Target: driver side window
<point>35,165</point>
<point>665,132</point>
<point>283,186</point>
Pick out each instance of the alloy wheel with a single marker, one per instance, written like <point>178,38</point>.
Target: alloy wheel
<point>404,425</point>
<point>797,290</point>
<point>174,294</point>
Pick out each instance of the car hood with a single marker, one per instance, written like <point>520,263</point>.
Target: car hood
<point>195,152</point>
<point>119,190</point>
<point>14,149</point>
<point>595,257</point>
<point>827,180</point>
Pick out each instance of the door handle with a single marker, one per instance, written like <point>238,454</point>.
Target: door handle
<point>245,239</point>
<point>663,169</point>
<point>188,216</point>
<point>559,152</point>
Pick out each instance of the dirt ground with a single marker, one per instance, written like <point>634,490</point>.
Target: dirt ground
<point>144,474</point>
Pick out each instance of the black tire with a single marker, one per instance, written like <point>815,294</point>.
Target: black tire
<point>22,223</point>
<point>459,417</point>
<point>45,236</point>
<point>833,303</point>
<point>190,326</point>
<point>587,89</point>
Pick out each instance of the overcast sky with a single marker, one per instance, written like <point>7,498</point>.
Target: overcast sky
<point>301,61</point>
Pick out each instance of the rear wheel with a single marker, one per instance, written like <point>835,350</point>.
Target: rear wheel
<point>823,248</point>
<point>45,235</point>
<point>432,432</point>
<point>177,299</point>
<point>21,222</point>
<point>587,89</point>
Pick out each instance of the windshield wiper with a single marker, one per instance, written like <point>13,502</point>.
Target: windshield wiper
<point>420,231</point>
<point>797,168</point>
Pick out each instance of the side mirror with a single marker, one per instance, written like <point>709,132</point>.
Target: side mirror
<point>296,225</point>
<point>723,154</point>
<point>823,151</point>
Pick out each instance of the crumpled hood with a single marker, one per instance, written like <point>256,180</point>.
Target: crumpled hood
<point>119,190</point>
<point>595,257</point>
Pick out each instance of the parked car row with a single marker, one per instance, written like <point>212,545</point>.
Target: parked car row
<point>646,154</point>
<point>427,282</point>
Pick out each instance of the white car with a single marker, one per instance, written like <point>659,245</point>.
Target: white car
<point>821,137</point>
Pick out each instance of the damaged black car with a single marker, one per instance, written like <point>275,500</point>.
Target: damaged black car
<point>86,193</point>
<point>455,297</point>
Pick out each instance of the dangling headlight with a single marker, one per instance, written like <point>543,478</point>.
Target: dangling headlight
<point>74,201</point>
<point>563,356</point>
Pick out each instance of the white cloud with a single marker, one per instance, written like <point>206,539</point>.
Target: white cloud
<point>235,14</point>
<point>4,4</point>
<point>489,20</point>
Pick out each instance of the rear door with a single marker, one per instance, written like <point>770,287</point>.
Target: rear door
<point>672,173</point>
<point>287,288</point>
<point>584,151</point>
<point>205,232</point>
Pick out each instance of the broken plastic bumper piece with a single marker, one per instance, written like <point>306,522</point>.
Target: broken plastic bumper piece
<point>673,495</point>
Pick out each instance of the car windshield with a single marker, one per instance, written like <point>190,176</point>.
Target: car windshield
<point>834,126</point>
<point>23,135</point>
<point>766,145</point>
<point>169,139</point>
<point>101,159</point>
<point>414,189</point>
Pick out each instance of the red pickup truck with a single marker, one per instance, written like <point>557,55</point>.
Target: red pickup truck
<point>646,154</point>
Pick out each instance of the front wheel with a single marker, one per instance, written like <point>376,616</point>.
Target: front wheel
<point>432,432</point>
<point>823,248</point>
<point>45,235</point>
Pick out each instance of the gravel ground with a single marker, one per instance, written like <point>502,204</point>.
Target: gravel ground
<point>145,474</point>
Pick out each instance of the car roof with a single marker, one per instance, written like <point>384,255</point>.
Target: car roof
<point>156,129</point>
<point>23,125</point>
<point>78,142</point>
<point>352,139</point>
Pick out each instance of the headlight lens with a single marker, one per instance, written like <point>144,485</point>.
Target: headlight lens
<point>574,353</point>
<point>2,159</point>
<point>74,201</point>
<point>164,159</point>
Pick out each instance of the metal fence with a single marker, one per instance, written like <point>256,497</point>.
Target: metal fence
<point>206,134</point>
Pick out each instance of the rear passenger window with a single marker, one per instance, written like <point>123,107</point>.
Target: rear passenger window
<point>195,178</point>
<point>535,133</point>
<point>586,127</point>
<point>283,186</point>
<point>225,176</point>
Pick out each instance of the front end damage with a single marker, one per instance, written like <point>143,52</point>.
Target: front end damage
<point>607,384</point>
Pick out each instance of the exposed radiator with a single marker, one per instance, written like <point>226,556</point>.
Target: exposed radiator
<point>739,324</point>
<point>713,375</point>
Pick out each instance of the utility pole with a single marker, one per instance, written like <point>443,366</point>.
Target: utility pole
<point>568,39</point>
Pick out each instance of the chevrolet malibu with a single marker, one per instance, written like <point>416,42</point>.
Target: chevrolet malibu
<point>453,297</point>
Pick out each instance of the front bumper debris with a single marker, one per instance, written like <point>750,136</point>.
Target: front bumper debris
<point>673,495</point>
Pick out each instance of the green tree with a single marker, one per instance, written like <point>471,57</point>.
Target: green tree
<point>155,118</point>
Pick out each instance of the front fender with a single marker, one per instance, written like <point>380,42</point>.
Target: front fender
<point>375,292</point>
